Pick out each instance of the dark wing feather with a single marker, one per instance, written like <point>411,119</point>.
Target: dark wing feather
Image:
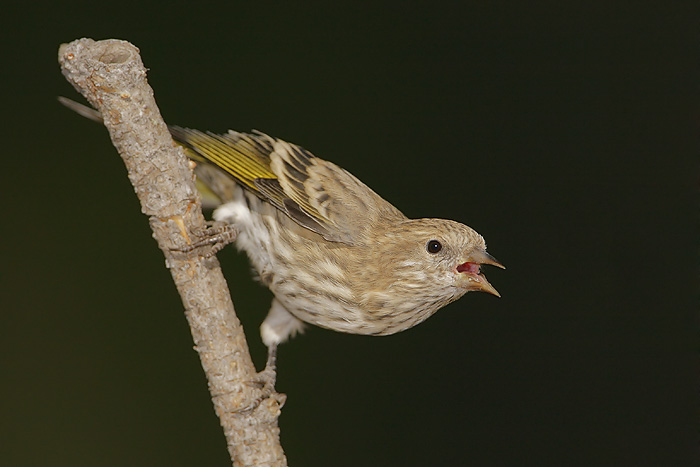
<point>316,194</point>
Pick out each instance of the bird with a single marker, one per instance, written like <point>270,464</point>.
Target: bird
<point>333,252</point>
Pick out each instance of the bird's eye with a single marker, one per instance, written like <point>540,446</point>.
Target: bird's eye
<point>433,246</point>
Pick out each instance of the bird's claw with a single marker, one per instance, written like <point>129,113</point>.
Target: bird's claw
<point>217,234</point>
<point>264,382</point>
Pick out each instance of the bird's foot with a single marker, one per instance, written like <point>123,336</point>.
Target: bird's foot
<point>265,381</point>
<point>217,235</point>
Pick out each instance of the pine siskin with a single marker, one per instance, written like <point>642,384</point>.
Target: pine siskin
<point>333,252</point>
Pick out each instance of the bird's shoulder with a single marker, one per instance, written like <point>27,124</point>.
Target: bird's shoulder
<point>315,193</point>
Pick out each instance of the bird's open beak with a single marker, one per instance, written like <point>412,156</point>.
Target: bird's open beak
<point>470,276</point>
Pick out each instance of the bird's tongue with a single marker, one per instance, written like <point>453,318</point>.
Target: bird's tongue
<point>469,267</point>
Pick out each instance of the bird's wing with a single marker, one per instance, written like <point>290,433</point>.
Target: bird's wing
<point>316,194</point>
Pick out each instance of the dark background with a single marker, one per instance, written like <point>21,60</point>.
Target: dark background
<point>564,134</point>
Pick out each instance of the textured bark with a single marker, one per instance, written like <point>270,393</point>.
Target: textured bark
<point>111,75</point>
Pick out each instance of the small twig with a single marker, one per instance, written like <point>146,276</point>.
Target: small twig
<point>112,77</point>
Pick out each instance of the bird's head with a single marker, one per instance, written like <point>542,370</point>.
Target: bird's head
<point>414,267</point>
<point>441,255</point>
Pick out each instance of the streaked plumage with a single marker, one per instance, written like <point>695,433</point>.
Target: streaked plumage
<point>333,252</point>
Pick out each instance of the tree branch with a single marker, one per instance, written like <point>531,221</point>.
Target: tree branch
<point>111,75</point>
